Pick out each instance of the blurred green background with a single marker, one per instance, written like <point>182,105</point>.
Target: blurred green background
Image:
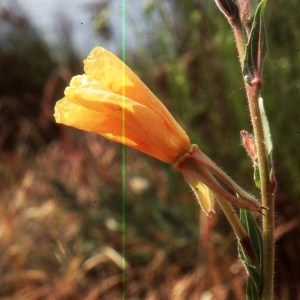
<point>61,189</point>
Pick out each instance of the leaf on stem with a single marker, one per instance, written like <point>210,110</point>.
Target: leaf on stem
<point>256,175</point>
<point>255,236</point>
<point>267,136</point>
<point>256,49</point>
<point>251,291</point>
<point>266,127</point>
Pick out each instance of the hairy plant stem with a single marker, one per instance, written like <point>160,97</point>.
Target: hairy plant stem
<point>268,186</point>
<point>267,189</point>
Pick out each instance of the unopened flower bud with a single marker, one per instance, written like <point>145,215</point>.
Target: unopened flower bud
<point>249,144</point>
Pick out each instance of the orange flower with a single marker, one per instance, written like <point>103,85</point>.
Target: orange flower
<point>94,102</point>
<point>113,102</point>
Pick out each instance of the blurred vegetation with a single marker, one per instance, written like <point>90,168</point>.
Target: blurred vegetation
<point>61,189</point>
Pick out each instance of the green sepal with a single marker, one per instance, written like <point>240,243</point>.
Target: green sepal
<point>255,236</point>
<point>256,49</point>
<point>251,290</point>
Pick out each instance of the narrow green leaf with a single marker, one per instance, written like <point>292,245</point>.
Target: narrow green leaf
<point>256,175</point>
<point>252,270</point>
<point>266,127</point>
<point>256,49</point>
<point>254,233</point>
<point>255,236</point>
<point>251,291</point>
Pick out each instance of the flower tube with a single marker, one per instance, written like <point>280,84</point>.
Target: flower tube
<point>109,99</point>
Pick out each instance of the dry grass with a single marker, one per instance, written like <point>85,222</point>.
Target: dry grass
<point>61,238</point>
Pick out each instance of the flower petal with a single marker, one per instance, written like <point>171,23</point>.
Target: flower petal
<point>71,114</point>
<point>120,79</point>
<point>89,107</point>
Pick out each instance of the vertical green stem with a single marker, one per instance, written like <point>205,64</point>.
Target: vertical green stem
<point>267,189</point>
<point>268,186</point>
